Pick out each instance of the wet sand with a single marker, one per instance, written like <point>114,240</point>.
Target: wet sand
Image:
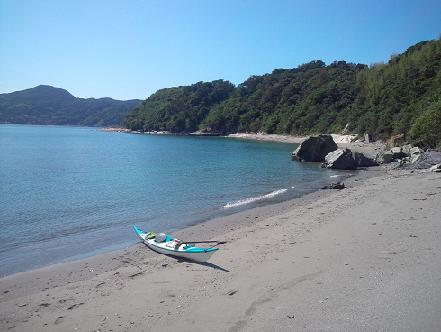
<point>362,258</point>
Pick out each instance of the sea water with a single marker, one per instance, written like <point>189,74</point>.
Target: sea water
<point>68,192</point>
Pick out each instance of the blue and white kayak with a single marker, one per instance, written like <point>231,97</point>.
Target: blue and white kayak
<point>175,247</point>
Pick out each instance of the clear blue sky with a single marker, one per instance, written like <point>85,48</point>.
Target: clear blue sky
<point>129,49</point>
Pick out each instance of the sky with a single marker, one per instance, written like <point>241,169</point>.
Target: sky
<point>129,49</point>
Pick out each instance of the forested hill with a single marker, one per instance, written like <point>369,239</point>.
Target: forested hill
<point>48,105</point>
<point>402,96</point>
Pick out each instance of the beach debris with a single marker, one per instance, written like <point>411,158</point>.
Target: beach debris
<point>340,159</point>
<point>436,168</point>
<point>315,148</point>
<point>338,185</point>
<point>136,274</point>
<point>76,305</point>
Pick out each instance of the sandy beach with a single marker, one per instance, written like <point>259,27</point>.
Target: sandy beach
<point>343,141</point>
<point>362,258</point>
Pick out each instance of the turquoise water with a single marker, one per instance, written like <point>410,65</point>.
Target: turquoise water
<point>67,192</point>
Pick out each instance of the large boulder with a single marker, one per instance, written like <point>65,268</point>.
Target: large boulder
<point>315,148</point>
<point>363,161</point>
<point>340,159</point>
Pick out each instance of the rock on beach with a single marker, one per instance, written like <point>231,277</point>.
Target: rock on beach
<point>314,149</point>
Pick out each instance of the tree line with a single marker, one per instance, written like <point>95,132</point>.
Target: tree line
<point>401,96</point>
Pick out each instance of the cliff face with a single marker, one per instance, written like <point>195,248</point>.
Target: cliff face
<point>48,105</point>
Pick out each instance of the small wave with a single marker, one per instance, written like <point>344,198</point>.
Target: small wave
<point>249,200</point>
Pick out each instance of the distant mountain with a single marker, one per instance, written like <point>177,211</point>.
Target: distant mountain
<point>47,105</point>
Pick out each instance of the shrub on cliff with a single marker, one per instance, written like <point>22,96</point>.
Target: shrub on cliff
<point>426,131</point>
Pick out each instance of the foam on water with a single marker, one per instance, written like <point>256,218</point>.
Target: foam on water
<point>249,200</point>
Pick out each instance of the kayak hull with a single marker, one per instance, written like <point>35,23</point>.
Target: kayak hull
<point>197,254</point>
<point>200,257</point>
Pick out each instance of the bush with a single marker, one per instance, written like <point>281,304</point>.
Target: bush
<point>426,131</point>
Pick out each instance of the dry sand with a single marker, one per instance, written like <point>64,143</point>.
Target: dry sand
<point>364,258</point>
<point>343,141</point>
<point>269,137</point>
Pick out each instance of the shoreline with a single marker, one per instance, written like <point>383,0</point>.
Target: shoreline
<point>214,226</point>
<point>295,252</point>
<point>359,258</point>
<point>343,141</point>
<point>222,218</point>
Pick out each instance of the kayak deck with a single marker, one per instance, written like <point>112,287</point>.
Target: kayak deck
<point>174,247</point>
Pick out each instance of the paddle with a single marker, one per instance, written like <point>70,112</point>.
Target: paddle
<point>192,242</point>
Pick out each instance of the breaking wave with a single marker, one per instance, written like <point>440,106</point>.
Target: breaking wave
<point>249,200</point>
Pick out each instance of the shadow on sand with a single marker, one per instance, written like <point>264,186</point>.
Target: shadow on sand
<point>213,266</point>
<point>183,260</point>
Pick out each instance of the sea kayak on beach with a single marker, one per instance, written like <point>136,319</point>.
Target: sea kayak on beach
<point>165,244</point>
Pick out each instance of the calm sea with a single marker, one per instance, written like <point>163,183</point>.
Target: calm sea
<point>69,192</point>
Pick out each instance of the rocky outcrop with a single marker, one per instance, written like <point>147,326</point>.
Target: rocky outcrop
<point>363,161</point>
<point>315,148</point>
<point>404,155</point>
<point>340,159</point>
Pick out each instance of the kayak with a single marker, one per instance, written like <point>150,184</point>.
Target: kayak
<point>175,247</point>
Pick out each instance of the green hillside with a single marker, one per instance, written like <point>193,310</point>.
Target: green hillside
<point>402,96</point>
<point>48,105</point>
